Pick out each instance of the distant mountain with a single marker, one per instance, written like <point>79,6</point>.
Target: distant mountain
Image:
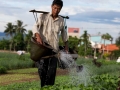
<point>2,35</point>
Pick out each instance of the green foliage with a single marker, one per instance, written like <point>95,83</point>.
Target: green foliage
<point>107,36</point>
<point>99,82</point>
<point>3,70</point>
<point>106,82</point>
<point>73,42</point>
<point>85,47</point>
<point>116,53</point>
<point>22,86</point>
<point>100,79</point>
<point>118,41</point>
<point>111,67</point>
<point>27,40</point>
<point>106,55</point>
<point>4,44</point>
<point>61,42</point>
<point>19,40</point>
<point>17,35</point>
<point>14,61</point>
<point>81,50</point>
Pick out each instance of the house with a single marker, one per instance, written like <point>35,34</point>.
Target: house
<point>74,32</point>
<point>109,48</point>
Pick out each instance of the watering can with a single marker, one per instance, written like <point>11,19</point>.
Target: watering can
<point>38,50</point>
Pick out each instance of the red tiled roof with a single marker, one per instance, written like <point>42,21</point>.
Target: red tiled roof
<point>110,47</point>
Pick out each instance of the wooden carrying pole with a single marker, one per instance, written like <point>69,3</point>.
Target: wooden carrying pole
<point>66,17</point>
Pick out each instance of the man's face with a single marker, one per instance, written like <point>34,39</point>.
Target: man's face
<point>55,10</point>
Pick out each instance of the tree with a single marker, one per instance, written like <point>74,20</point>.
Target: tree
<point>73,43</point>
<point>107,36</point>
<point>28,38</point>
<point>86,43</point>
<point>19,35</point>
<point>4,44</point>
<point>10,30</point>
<point>117,41</point>
<point>111,40</point>
<point>20,28</point>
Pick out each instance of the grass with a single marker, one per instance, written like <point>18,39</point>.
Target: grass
<point>22,86</point>
<point>19,75</point>
<point>108,67</point>
<point>60,80</point>
<point>13,61</point>
<point>12,78</point>
<point>23,71</point>
<point>103,82</point>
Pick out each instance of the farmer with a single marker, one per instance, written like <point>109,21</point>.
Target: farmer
<point>49,27</point>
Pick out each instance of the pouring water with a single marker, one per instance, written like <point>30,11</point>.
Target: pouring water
<point>79,74</point>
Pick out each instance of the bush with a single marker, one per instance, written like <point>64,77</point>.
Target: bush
<point>3,70</point>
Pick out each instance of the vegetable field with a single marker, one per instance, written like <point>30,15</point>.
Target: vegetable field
<point>20,73</point>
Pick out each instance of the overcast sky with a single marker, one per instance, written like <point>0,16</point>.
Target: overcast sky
<point>92,15</point>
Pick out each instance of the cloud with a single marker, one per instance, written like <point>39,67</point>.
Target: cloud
<point>7,18</point>
<point>92,15</point>
<point>94,28</point>
<point>107,17</point>
<point>98,1</point>
<point>117,20</point>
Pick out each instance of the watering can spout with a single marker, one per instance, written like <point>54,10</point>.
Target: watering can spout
<point>79,68</point>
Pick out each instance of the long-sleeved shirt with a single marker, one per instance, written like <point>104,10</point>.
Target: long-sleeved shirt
<point>50,29</point>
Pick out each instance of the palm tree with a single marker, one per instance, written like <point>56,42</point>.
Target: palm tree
<point>28,38</point>
<point>20,33</point>
<point>10,30</point>
<point>20,28</point>
<point>107,36</point>
<point>85,39</point>
<point>111,40</point>
<point>80,42</point>
<point>104,38</point>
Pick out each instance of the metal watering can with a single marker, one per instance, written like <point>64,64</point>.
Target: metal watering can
<point>38,50</point>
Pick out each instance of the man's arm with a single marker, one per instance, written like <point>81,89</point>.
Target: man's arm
<point>36,29</point>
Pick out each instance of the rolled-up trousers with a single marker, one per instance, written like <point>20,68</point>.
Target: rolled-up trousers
<point>47,70</point>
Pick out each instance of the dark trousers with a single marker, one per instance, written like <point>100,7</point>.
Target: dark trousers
<point>47,70</point>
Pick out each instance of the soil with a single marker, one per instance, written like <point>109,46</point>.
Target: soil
<point>36,78</point>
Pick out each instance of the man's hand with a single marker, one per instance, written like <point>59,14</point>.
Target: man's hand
<point>38,38</point>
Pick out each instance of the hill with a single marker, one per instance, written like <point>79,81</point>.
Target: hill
<point>2,35</point>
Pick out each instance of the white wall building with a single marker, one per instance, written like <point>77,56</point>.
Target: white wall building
<point>74,32</point>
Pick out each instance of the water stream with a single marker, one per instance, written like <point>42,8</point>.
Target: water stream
<point>78,74</point>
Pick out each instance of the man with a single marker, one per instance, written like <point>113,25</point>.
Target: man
<point>48,27</point>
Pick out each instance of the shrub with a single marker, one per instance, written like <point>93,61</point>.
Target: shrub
<point>2,70</point>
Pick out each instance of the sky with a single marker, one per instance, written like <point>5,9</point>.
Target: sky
<point>95,16</point>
